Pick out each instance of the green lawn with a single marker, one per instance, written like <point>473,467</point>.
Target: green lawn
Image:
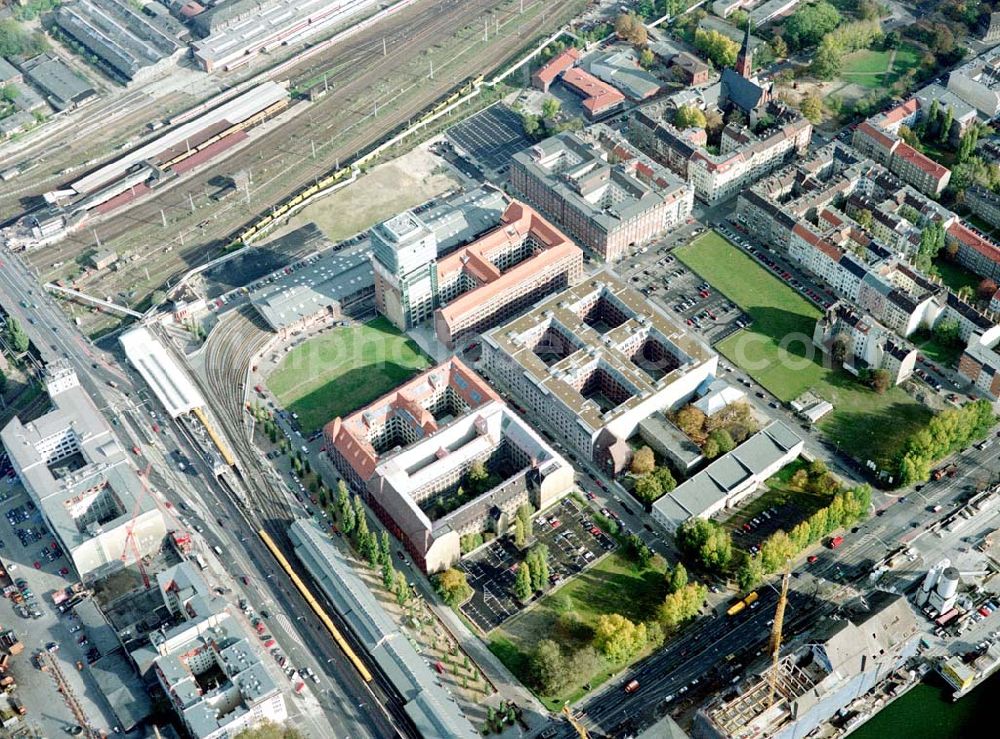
<point>777,351</point>
<point>867,425</point>
<point>341,370</point>
<point>956,276</point>
<point>944,354</point>
<point>870,68</point>
<point>613,585</point>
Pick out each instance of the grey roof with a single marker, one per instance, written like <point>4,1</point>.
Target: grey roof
<point>741,92</point>
<point>621,69</point>
<point>16,122</point>
<point>8,72</point>
<point>462,217</point>
<point>62,85</point>
<point>326,280</point>
<point>100,633</point>
<point>431,707</point>
<point>665,434</point>
<point>125,39</point>
<point>27,99</point>
<point>125,693</point>
<point>729,473</point>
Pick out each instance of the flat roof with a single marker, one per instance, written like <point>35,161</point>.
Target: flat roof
<point>234,111</point>
<point>172,385</point>
<point>560,312</point>
<point>324,281</point>
<point>432,708</point>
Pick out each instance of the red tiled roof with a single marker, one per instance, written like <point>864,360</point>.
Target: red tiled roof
<point>598,95</point>
<point>517,223</point>
<point>820,243</point>
<point>925,164</point>
<point>902,111</point>
<point>558,64</point>
<point>880,137</point>
<point>971,239</point>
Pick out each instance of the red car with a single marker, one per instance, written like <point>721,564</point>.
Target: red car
<point>813,559</point>
<point>38,565</point>
<point>64,571</point>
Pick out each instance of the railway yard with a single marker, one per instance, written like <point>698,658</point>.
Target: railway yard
<point>375,81</point>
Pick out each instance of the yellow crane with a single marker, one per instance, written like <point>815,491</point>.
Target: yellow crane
<point>581,730</point>
<point>779,617</point>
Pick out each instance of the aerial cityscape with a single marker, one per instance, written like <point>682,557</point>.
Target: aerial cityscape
<point>599,369</point>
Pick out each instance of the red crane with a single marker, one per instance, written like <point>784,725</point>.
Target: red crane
<point>130,537</point>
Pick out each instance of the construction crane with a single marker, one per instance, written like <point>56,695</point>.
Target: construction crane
<point>779,617</point>
<point>130,536</point>
<point>581,730</point>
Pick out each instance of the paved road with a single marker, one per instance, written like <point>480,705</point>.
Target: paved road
<point>347,706</point>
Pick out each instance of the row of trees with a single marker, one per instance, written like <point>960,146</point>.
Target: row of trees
<point>828,59</point>
<point>847,508</point>
<point>951,429</point>
<point>532,574</point>
<point>717,47</point>
<point>16,336</point>
<point>16,40</point>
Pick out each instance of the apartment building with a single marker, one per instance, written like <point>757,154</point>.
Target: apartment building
<point>984,204</point>
<point>975,252</point>
<point>977,82</point>
<point>980,362</point>
<point>601,190</point>
<point>594,361</point>
<point>206,663</point>
<point>868,344</point>
<point>744,156</point>
<point>410,452</point>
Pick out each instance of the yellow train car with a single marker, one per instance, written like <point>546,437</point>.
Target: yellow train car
<point>317,608</point>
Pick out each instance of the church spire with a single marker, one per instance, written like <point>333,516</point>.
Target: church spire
<point>744,62</point>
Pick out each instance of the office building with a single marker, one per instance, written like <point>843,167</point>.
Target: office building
<point>594,361</point>
<point>82,482</point>
<point>410,453</point>
<point>607,207</point>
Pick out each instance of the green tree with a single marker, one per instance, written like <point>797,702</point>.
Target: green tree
<point>530,123</point>
<point>522,582</point>
<point>8,93</point>
<point>617,638</point>
<point>678,578</point>
<point>646,58</point>
<point>385,548</point>
<point>827,62</point>
<point>750,572</point>
<point>648,488</point>
<point>453,586</point>
<point>881,381</point>
<point>550,108</point>
<point>688,116</point>
<point>402,589</point>
<point>16,336</point>
<point>538,559</point>
<point>723,440</point>
<point>3,384</point>
<point>681,605</point>
<point>946,123</point>
<point>719,48</point>
<point>810,23</point>
<point>778,47</point>
<point>948,331</point>
<point>548,669</point>
<point>388,575</point>
<point>812,107</point>
<point>643,461</point>
<point>630,27</point>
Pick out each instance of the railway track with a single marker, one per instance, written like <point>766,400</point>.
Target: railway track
<point>281,160</point>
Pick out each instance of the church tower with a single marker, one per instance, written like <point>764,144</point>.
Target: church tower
<point>744,62</point>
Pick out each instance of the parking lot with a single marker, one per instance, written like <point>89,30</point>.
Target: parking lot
<point>693,302</point>
<point>568,533</point>
<point>491,137</point>
<point>36,570</point>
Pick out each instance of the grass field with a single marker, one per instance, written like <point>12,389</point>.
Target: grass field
<point>870,68</point>
<point>776,350</point>
<point>955,275</point>
<point>613,585</point>
<point>341,370</point>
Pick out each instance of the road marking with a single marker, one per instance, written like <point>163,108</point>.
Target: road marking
<point>286,623</point>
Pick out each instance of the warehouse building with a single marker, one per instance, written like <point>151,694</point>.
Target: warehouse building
<point>729,479</point>
<point>594,361</point>
<point>433,710</point>
<point>82,481</point>
<point>410,452</point>
<point>324,286</point>
<point>63,88</point>
<point>131,45</point>
<point>607,207</point>
<point>234,32</point>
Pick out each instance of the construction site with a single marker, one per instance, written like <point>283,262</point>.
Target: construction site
<point>381,79</point>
